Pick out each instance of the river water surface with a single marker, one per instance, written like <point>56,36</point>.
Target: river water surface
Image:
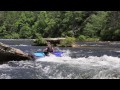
<point>93,60</point>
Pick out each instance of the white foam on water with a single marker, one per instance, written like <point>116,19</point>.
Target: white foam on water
<point>111,73</point>
<point>106,67</point>
<point>104,60</point>
<point>4,66</point>
<point>117,51</point>
<point>20,45</point>
<point>53,58</point>
<point>110,63</point>
<point>21,64</point>
<point>4,76</point>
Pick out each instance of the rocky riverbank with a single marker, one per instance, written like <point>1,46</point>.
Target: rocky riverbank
<point>8,53</point>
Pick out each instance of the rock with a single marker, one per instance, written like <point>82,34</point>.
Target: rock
<point>75,45</point>
<point>9,54</point>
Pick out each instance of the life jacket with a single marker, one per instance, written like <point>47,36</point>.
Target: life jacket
<point>49,49</point>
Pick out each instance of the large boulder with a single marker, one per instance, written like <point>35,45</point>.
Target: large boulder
<point>8,53</point>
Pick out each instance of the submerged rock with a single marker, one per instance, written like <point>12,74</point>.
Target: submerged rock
<point>8,53</point>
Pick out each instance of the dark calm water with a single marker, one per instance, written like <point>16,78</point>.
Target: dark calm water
<point>94,60</point>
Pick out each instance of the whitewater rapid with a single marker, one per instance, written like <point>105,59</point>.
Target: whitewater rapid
<point>65,67</point>
<point>93,60</point>
<point>92,67</point>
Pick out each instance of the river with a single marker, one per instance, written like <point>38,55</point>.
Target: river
<point>93,60</point>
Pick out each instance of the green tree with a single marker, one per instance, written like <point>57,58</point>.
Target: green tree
<point>25,31</point>
<point>95,24</point>
<point>111,31</point>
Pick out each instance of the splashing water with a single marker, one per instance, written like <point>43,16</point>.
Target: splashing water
<point>87,64</point>
<point>92,67</point>
<point>52,67</point>
<point>91,60</point>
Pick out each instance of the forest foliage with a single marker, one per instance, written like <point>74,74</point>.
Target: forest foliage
<point>82,25</point>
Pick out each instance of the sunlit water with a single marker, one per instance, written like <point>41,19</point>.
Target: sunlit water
<point>91,61</point>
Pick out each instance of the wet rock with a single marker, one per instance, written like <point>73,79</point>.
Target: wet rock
<point>8,53</point>
<point>75,45</point>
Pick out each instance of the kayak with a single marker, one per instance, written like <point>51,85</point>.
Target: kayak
<point>41,54</point>
<point>58,54</point>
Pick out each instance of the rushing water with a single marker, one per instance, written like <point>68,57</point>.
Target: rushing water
<point>100,60</point>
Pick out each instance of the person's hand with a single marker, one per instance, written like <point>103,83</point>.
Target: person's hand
<point>44,49</point>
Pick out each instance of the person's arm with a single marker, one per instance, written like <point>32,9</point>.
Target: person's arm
<point>45,49</point>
